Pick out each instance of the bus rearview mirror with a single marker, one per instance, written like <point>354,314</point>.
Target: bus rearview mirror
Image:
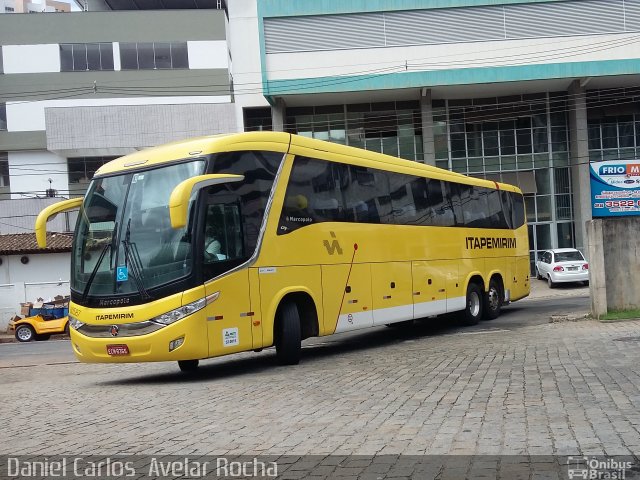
<point>182,193</point>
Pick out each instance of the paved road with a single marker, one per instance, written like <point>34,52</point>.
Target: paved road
<point>517,385</point>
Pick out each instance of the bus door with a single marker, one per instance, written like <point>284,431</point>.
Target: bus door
<point>391,286</point>
<point>230,315</point>
<point>347,297</point>
<point>431,281</point>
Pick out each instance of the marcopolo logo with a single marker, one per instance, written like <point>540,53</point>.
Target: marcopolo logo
<point>627,169</point>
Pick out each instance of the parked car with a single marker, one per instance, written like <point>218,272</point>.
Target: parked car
<point>562,265</point>
<point>42,321</point>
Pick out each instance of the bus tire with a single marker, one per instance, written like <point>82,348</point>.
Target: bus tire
<point>492,301</point>
<point>188,366</point>
<point>473,308</point>
<point>288,335</point>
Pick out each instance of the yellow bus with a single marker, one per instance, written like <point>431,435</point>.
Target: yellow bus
<point>231,243</point>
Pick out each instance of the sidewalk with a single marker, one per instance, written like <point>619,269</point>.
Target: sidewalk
<point>10,337</point>
<point>540,289</point>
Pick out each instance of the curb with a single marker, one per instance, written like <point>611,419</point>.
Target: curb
<point>12,339</point>
<point>570,317</point>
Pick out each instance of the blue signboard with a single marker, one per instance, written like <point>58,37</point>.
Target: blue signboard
<point>615,188</point>
<point>122,274</point>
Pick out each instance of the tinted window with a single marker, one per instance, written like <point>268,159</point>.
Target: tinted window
<point>517,202</point>
<point>314,194</point>
<point>507,207</point>
<point>402,201</point>
<point>145,56</point>
<point>569,256</point>
<point>321,191</point>
<point>495,209</point>
<point>439,203</point>
<point>106,56</point>
<point>162,53</point>
<point>66,58</point>
<point>79,57</point>
<point>93,56</point>
<point>259,170</point>
<point>473,201</point>
<point>179,55</point>
<point>367,197</point>
<point>128,56</point>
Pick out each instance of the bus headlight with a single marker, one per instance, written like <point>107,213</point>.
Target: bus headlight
<point>75,323</point>
<point>179,313</point>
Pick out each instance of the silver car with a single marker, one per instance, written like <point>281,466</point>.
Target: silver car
<point>562,265</point>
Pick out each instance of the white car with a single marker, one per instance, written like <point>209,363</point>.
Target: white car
<point>562,265</point>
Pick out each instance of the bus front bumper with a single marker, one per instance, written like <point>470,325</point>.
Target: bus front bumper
<point>183,340</point>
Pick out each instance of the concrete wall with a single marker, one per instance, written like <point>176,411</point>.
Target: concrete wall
<point>45,276</point>
<point>614,264</point>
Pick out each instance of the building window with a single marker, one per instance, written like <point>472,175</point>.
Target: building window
<point>257,119</point>
<point>3,116</point>
<point>154,56</point>
<point>4,169</point>
<point>1,64</point>
<point>82,169</point>
<point>80,57</point>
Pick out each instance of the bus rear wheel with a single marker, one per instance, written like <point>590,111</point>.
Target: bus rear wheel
<point>188,366</point>
<point>492,301</point>
<point>473,309</point>
<point>288,335</point>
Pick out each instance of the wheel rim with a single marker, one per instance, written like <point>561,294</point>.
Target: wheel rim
<point>494,301</point>
<point>24,333</point>
<point>474,304</point>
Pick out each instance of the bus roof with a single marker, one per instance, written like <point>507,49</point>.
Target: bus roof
<point>277,142</point>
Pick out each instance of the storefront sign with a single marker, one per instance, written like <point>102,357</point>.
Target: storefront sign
<point>615,188</point>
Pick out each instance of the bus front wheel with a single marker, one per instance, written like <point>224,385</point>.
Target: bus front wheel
<point>473,309</point>
<point>188,366</point>
<point>288,335</point>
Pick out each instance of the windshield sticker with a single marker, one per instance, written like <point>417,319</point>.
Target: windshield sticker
<point>230,337</point>
<point>122,273</point>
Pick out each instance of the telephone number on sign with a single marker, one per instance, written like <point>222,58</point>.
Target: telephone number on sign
<point>622,203</point>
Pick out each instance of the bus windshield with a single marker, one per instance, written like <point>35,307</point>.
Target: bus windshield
<point>124,242</point>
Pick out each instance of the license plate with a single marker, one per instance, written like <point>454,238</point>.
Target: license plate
<point>117,350</point>
<point>572,268</point>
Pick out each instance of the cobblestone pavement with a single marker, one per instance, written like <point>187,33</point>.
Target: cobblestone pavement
<point>567,388</point>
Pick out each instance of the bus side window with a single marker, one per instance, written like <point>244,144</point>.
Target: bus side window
<point>507,208</point>
<point>495,211</point>
<point>474,206</point>
<point>362,195</point>
<point>453,196</point>
<point>402,201</point>
<point>518,209</point>
<point>313,194</point>
<point>440,204</point>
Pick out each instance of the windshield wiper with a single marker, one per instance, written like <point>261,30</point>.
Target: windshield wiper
<point>132,257</point>
<point>110,246</point>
